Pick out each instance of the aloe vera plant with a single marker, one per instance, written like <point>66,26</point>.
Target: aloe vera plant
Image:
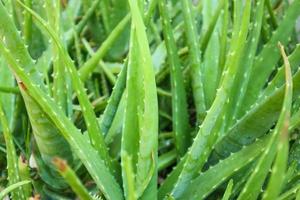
<point>156,99</point>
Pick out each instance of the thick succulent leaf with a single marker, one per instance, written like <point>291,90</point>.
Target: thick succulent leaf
<point>131,193</point>
<point>91,64</point>
<point>210,66</point>
<point>209,130</point>
<point>96,137</point>
<point>228,190</point>
<point>246,62</point>
<point>130,135</point>
<point>209,180</point>
<point>71,178</point>
<point>195,56</point>
<point>269,56</point>
<point>244,132</point>
<point>46,135</point>
<point>12,187</point>
<point>89,157</point>
<point>114,101</point>
<point>280,164</point>
<point>146,117</point>
<point>255,182</point>
<point>179,104</point>
<point>11,157</point>
<point>24,172</point>
<point>7,81</point>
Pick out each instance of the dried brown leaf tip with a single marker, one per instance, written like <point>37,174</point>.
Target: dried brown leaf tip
<point>35,197</point>
<point>22,85</point>
<point>23,159</point>
<point>60,164</point>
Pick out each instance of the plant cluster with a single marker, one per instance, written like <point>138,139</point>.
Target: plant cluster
<point>156,99</point>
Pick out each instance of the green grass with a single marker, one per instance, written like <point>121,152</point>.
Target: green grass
<point>158,99</point>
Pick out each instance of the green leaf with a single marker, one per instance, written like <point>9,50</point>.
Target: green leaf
<point>89,157</point>
<point>256,180</point>
<point>96,137</point>
<point>228,190</point>
<point>71,178</point>
<point>195,56</point>
<point>12,187</point>
<point>280,164</point>
<point>209,180</point>
<point>180,116</point>
<point>11,157</point>
<point>143,121</point>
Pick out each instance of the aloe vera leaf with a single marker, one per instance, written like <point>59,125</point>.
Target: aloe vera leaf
<point>170,181</point>
<point>278,80</point>
<point>129,179</point>
<point>228,191</point>
<point>45,133</point>
<point>210,64</point>
<point>105,7</point>
<point>12,187</point>
<point>147,156</point>
<point>204,40</point>
<point>179,105</point>
<point>117,123</point>
<point>271,14</point>
<point>150,11</point>
<point>91,64</point>
<point>209,130</point>
<point>59,77</point>
<point>195,56</point>
<point>11,157</point>
<point>24,175</point>
<point>96,137</point>
<point>209,180</point>
<point>166,159</point>
<point>269,103</point>
<point>94,23</point>
<point>118,10</point>
<point>12,40</point>
<point>298,195</point>
<point>10,90</point>
<point>130,135</point>
<point>290,194</point>
<point>87,15</point>
<point>7,83</point>
<point>97,168</point>
<point>268,57</point>
<point>114,101</point>
<point>244,131</point>
<point>256,180</point>
<point>280,164</point>
<point>223,36</point>
<point>27,29</point>
<point>246,63</point>
<point>107,72</point>
<point>145,119</point>
<point>71,178</point>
